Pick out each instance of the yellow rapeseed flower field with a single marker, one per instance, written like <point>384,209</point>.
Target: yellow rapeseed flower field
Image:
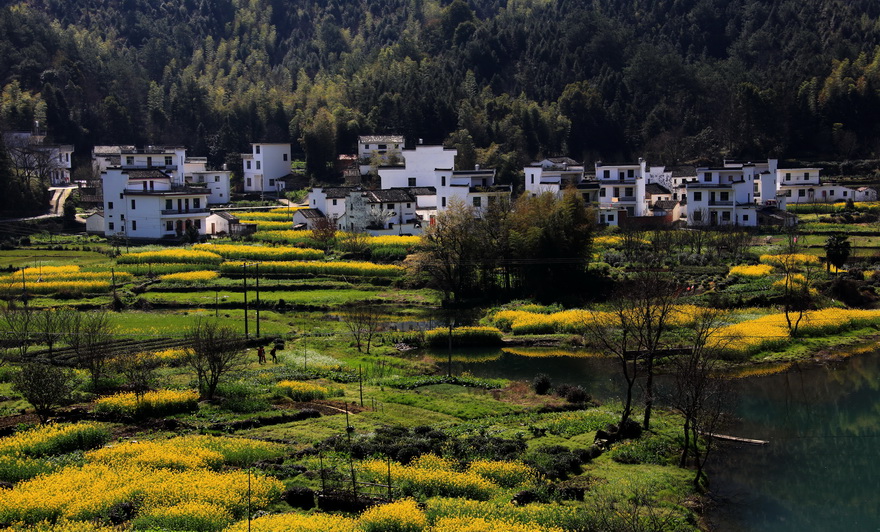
<point>198,276</point>
<point>268,253</point>
<point>746,270</point>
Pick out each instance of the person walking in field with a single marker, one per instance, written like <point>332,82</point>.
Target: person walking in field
<point>261,355</point>
<point>274,355</point>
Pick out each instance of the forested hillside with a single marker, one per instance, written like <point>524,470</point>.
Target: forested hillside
<point>505,81</point>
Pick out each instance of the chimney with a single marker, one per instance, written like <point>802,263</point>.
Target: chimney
<point>477,167</point>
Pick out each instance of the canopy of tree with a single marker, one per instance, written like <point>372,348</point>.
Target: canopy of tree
<point>506,80</point>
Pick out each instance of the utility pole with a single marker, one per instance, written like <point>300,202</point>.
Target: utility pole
<point>257,284</point>
<point>244,283</point>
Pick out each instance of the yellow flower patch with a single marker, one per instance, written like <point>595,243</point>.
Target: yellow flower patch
<point>299,523</point>
<point>744,270</point>
<point>400,516</point>
<point>198,276</point>
<point>270,253</point>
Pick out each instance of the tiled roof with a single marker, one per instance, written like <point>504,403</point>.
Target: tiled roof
<point>152,173</point>
<point>394,195</point>
<point>665,205</point>
<point>311,213</point>
<point>390,139</point>
<point>339,192</point>
<point>421,191</point>
<point>656,188</point>
<point>682,171</point>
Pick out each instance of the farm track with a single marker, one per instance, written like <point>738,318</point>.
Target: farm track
<point>66,355</point>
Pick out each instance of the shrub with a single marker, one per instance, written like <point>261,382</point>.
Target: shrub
<point>152,404</point>
<point>242,397</point>
<point>302,391</point>
<point>504,473</point>
<point>398,516</point>
<point>196,516</point>
<point>541,384</point>
<point>50,440</point>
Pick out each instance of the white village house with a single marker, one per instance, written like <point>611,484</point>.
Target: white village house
<point>266,167</point>
<point>42,160</point>
<point>804,185</point>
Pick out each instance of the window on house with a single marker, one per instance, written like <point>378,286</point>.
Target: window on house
<point>745,217</point>
<point>271,182</point>
<point>169,225</point>
<point>366,146</point>
<point>442,180</point>
<point>606,174</point>
<point>443,201</point>
<point>698,216</point>
<point>408,205</point>
<point>411,182</point>
<point>806,175</point>
<point>129,161</point>
<point>216,178</point>
<point>610,217</point>
<point>832,191</point>
<point>249,182</point>
<point>144,184</point>
<point>802,193</point>
<point>630,173</point>
<point>132,204</point>
<point>707,176</point>
<point>247,164</point>
<point>134,225</point>
<point>197,203</point>
<point>620,175</point>
<point>258,165</point>
<point>257,149</point>
<point>844,193</point>
<point>169,205</point>
<point>601,192</point>
<point>788,176</point>
<point>198,224</point>
<point>149,161</point>
<point>168,161</point>
<point>532,179</point>
<point>390,206</point>
<point>724,196</point>
<point>121,195</point>
<point>725,216</point>
<point>110,226</point>
<point>616,192</point>
<point>284,157</point>
<point>628,192</point>
<point>109,205</point>
<point>698,196</point>
<point>334,202</point>
<point>478,201</point>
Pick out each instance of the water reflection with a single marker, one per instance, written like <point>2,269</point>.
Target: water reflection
<point>821,469</point>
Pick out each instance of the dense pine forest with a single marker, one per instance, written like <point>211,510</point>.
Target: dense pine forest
<point>505,81</point>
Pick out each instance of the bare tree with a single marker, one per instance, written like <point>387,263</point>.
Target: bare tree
<point>635,330</point>
<point>44,386</point>
<point>50,326</point>
<point>88,334</point>
<point>363,323</point>
<point>18,327</point>
<point>212,352</point>
<point>797,286</point>
<point>139,371</point>
<point>324,231</point>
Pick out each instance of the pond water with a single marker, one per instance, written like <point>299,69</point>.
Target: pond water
<point>821,469</point>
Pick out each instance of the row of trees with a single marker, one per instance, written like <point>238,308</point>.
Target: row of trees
<point>210,350</point>
<point>539,246</point>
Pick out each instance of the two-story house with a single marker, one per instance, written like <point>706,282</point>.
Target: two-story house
<point>31,154</point>
<point>805,185</point>
<point>151,204</point>
<point>379,150</point>
<point>265,168</point>
<point>621,191</point>
<point>723,196</point>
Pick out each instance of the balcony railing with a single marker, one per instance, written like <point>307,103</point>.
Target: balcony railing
<point>185,211</point>
<point>721,203</point>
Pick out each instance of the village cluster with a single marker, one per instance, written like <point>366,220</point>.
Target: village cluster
<point>159,192</point>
